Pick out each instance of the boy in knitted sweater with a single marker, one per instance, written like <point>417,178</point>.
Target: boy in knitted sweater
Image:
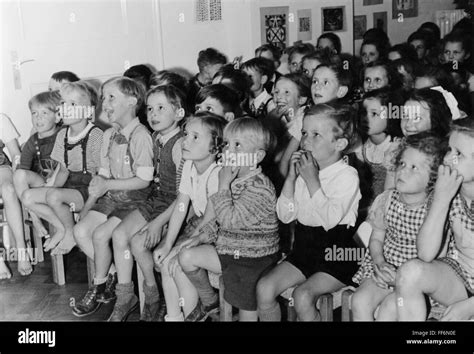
<point>243,225</point>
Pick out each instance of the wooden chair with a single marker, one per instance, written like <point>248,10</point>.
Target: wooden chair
<point>225,309</point>
<point>57,261</point>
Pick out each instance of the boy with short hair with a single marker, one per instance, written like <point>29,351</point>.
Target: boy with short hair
<point>219,99</point>
<point>260,71</point>
<point>126,169</point>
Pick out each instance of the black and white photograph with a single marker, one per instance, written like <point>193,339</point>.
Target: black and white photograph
<point>238,161</point>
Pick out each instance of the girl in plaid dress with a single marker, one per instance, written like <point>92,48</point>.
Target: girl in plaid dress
<point>395,217</point>
<point>449,280</point>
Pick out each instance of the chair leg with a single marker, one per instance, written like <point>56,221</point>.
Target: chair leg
<point>224,306</point>
<point>326,303</point>
<point>38,245</point>
<point>58,269</point>
<point>141,294</point>
<point>33,238</point>
<point>346,306</point>
<point>290,310</point>
<point>57,262</point>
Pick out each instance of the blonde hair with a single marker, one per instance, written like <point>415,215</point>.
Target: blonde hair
<point>128,87</point>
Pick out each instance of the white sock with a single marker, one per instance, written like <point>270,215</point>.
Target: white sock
<point>179,318</point>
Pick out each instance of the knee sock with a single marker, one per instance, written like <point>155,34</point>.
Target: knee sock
<point>124,292</point>
<point>200,280</point>
<point>151,293</point>
<point>271,314</point>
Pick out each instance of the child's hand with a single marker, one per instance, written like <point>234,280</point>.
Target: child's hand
<point>295,158</point>
<point>98,186</point>
<point>226,175</point>
<point>459,311</point>
<point>160,253</point>
<point>447,184</point>
<point>153,231</point>
<point>307,167</point>
<point>384,274</point>
<point>173,264</point>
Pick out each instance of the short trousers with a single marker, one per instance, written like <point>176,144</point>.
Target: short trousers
<point>80,182</point>
<point>314,245</point>
<point>240,277</point>
<point>121,203</point>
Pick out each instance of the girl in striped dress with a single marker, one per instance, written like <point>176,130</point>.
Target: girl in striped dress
<point>396,217</point>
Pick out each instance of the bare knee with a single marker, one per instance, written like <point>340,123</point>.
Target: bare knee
<point>100,237</point>
<point>81,232</point>
<point>20,175</point>
<point>53,197</point>
<point>186,257</point>
<point>410,273</point>
<point>265,292</point>
<point>303,297</point>
<point>27,198</point>
<point>387,310</point>
<point>120,238</point>
<point>137,246</point>
<point>8,191</point>
<point>360,302</point>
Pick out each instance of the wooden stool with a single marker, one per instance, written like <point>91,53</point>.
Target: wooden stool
<point>225,309</point>
<point>57,261</point>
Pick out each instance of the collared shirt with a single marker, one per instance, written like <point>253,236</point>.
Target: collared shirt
<point>199,187</point>
<point>335,203</point>
<point>375,153</point>
<point>176,153</point>
<point>115,162</point>
<point>93,149</point>
<point>261,99</point>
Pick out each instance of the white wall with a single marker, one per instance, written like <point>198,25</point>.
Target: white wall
<point>182,40</point>
<point>399,32</point>
<point>91,38</point>
<point>239,31</point>
<point>294,6</point>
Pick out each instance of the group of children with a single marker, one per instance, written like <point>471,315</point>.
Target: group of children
<point>254,176</point>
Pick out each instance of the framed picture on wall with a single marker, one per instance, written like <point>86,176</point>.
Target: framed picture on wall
<point>380,20</point>
<point>360,26</point>
<point>304,25</point>
<point>333,19</point>
<point>407,8</point>
<point>274,26</point>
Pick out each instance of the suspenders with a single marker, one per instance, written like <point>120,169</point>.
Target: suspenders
<point>129,154</point>
<point>83,143</point>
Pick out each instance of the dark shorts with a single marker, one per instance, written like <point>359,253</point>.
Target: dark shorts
<point>121,203</point>
<point>80,182</point>
<point>156,204</point>
<point>240,277</point>
<point>316,250</point>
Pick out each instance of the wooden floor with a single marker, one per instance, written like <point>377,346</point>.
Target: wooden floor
<point>37,298</point>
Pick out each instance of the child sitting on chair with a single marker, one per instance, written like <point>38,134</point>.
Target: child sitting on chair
<point>244,226</point>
